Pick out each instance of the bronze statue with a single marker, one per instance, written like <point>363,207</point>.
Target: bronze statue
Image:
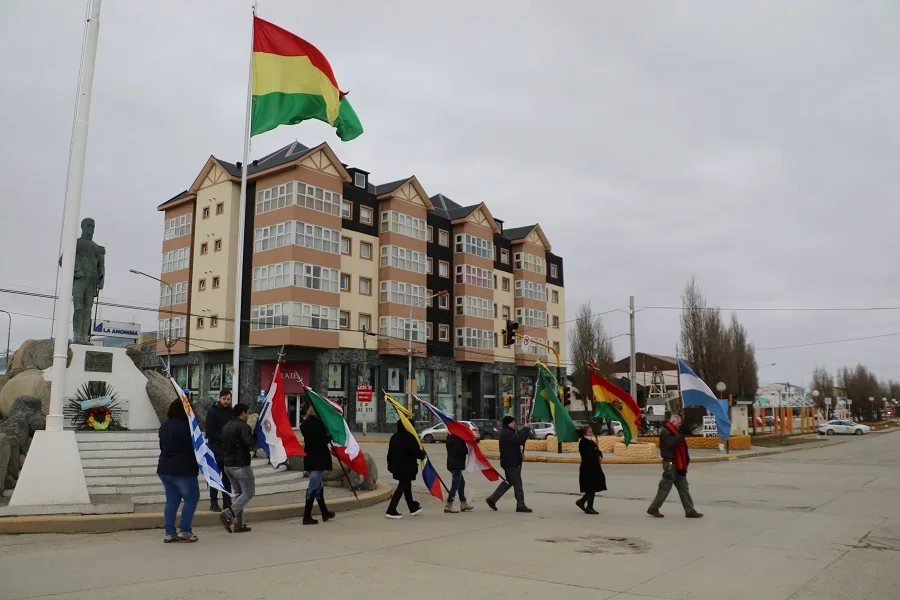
<point>90,268</point>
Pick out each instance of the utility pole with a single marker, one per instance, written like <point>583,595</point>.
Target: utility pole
<point>365,377</point>
<point>633,371</point>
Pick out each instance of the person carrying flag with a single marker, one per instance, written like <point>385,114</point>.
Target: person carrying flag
<point>457,454</point>
<point>675,460</point>
<point>177,469</point>
<point>238,442</point>
<point>318,460</point>
<point>404,454</point>
<point>590,474</point>
<point>217,417</point>
<point>511,444</point>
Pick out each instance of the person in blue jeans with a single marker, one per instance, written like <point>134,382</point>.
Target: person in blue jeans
<point>457,453</point>
<point>177,469</point>
<point>318,460</point>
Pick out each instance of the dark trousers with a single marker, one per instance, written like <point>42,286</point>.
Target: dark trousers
<point>404,489</point>
<point>213,492</point>
<point>671,477</point>
<point>514,481</point>
<point>458,485</point>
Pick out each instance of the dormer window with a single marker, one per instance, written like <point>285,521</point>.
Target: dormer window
<point>359,179</point>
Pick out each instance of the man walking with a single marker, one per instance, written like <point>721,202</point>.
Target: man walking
<point>238,442</point>
<point>216,417</point>
<point>457,454</point>
<point>675,460</point>
<point>511,445</point>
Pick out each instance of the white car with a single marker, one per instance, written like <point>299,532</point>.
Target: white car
<point>542,430</point>
<point>438,433</point>
<point>848,427</point>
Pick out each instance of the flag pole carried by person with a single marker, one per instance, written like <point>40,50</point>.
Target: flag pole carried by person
<point>274,433</point>
<point>612,402</point>
<point>429,474</point>
<point>206,460</point>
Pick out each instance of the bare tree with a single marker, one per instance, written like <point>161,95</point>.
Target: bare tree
<point>823,382</point>
<point>742,379</point>
<point>589,341</point>
<point>861,384</point>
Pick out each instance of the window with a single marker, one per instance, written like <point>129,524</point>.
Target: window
<point>556,347</point>
<point>554,272</point>
<point>444,301</point>
<point>365,286</point>
<point>430,266</point>
<point>555,322</point>
<point>474,245</point>
<point>359,180</point>
<point>430,295</point>
<point>204,248</point>
<point>444,333</point>
<point>293,314</point>
<point>274,198</point>
<point>402,328</point>
<point>318,199</point>
<point>403,224</point>
<point>177,227</point>
<point>344,319</point>
<point>179,290</point>
<point>365,250</point>
<point>215,283</point>
<point>297,233</point>
<point>506,284</point>
<point>199,322</point>
<point>467,337</point>
<point>474,276</point>
<point>430,235</point>
<point>176,260</point>
<point>346,209</point>
<point>345,246</point>
<point>504,256</point>
<point>473,306</point>
<point>205,212</point>
<point>399,292</point>
<point>506,313</point>
<point>444,237</point>
<point>555,296</point>
<point>220,208</point>
<point>345,282</point>
<point>530,289</point>
<point>530,262</point>
<point>531,317</point>
<point>217,245</point>
<point>495,340</point>
<point>295,274</point>
<point>495,310</point>
<point>178,327</point>
<point>403,258</point>
<point>365,215</point>
<point>429,331</point>
<point>444,268</point>
<point>495,282</point>
<point>201,285</point>
<point>214,321</point>
<point>365,322</point>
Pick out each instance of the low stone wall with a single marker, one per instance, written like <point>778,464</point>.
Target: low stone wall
<point>489,445</point>
<point>635,450</point>
<point>607,443</point>
<point>738,442</point>
<point>537,445</point>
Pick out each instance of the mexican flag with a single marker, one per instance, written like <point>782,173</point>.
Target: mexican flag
<point>344,445</point>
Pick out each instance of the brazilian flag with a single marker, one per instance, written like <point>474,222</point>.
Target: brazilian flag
<point>548,406</point>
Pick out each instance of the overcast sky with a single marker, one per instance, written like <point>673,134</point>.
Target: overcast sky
<point>755,145</point>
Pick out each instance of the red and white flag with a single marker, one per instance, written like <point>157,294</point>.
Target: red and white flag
<point>476,460</point>
<point>273,429</point>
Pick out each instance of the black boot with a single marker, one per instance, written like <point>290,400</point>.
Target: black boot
<point>307,512</point>
<point>590,507</point>
<point>327,515</point>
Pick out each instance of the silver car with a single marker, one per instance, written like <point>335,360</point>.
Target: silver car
<point>542,430</point>
<point>438,433</point>
<point>848,427</point>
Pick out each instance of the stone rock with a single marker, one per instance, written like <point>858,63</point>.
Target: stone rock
<point>26,404</point>
<point>23,423</point>
<point>9,460</point>
<point>295,463</point>
<point>200,408</point>
<point>335,477</point>
<point>34,354</point>
<point>252,420</point>
<point>161,394</point>
<point>3,380</point>
<point>135,353</point>
<point>27,383</point>
<point>15,365</point>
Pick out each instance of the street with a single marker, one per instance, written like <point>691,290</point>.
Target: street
<point>803,525</point>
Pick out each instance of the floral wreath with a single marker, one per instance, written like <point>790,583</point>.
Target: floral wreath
<point>96,407</point>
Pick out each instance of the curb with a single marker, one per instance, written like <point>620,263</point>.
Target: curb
<point>125,522</point>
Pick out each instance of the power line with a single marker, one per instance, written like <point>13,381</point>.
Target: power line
<point>856,339</point>
<point>781,308</point>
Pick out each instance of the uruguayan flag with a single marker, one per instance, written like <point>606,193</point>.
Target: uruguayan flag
<point>206,460</point>
<point>696,393</point>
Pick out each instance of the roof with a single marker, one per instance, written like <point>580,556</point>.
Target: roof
<point>461,212</point>
<point>175,198</point>
<point>517,233</point>
<point>282,156</point>
<point>387,188</point>
<point>443,205</point>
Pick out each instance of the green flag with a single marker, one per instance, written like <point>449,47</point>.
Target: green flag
<point>548,407</point>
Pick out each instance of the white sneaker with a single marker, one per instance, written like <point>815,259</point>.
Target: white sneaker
<point>450,507</point>
<point>393,515</point>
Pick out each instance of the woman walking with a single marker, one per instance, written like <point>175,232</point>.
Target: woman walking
<point>177,469</point>
<point>318,460</point>
<point>404,453</point>
<point>590,475</point>
<point>457,453</point>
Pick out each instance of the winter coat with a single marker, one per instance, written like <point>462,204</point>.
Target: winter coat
<point>673,447</point>
<point>457,453</point>
<point>315,444</point>
<point>176,450</point>
<point>238,442</point>
<point>590,474</point>
<point>216,418</point>
<point>403,455</point>
<point>511,442</point>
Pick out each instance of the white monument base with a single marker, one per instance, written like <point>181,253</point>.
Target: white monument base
<point>52,473</point>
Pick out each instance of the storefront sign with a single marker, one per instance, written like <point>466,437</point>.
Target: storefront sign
<point>364,393</point>
<point>292,373</point>
<point>365,408</point>
<point>710,429</point>
<point>117,329</point>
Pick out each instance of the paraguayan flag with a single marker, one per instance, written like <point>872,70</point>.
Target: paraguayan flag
<point>696,393</point>
<point>206,460</point>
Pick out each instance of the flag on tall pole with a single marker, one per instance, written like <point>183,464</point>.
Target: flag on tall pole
<point>206,460</point>
<point>694,392</point>
<point>429,473</point>
<point>344,445</point>
<point>273,429</point>
<point>614,403</point>
<point>548,407</point>
<point>476,460</point>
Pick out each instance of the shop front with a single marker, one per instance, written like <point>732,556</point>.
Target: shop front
<point>294,374</point>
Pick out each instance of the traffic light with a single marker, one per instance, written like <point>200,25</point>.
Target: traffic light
<point>566,393</point>
<point>509,334</point>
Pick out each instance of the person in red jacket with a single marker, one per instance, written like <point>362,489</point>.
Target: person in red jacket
<point>675,460</point>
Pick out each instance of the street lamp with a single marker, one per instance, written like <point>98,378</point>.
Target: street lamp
<point>169,342</point>
<point>815,396</point>
<point>720,387</point>
<point>8,332</point>
<point>409,344</point>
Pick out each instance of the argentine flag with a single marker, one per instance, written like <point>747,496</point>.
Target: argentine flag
<point>206,460</point>
<point>696,393</point>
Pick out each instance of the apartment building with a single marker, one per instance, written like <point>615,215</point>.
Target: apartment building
<point>340,273</point>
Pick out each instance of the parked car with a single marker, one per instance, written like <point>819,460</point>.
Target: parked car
<point>848,427</point>
<point>542,430</point>
<point>438,433</point>
<point>489,428</point>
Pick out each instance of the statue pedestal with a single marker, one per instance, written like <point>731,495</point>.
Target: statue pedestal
<point>52,474</point>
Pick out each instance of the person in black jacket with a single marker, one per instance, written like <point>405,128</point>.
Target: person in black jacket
<point>511,445</point>
<point>590,474</point>
<point>404,454</point>
<point>675,460</point>
<point>318,460</point>
<point>238,442</point>
<point>457,453</point>
<point>177,469</point>
<point>216,417</point>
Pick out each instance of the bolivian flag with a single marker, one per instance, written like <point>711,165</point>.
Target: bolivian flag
<point>612,402</point>
<point>293,82</point>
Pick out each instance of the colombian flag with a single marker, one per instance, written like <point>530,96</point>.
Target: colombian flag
<point>293,82</point>
<point>429,474</point>
<point>612,402</point>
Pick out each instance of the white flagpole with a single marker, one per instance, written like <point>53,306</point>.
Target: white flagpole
<point>236,353</point>
<point>53,473</point>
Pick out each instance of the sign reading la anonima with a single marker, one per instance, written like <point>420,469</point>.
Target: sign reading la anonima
<point>118,329</point>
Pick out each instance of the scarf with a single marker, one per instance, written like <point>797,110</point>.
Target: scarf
<point>681,450</point>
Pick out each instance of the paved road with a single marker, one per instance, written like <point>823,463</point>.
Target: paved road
<point>806,525</point>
